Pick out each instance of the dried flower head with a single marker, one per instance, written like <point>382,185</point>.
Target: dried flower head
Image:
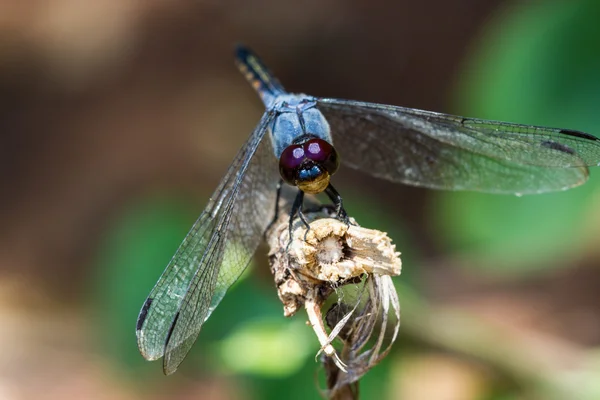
<point>348,269</point>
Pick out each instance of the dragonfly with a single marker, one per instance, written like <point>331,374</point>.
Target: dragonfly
<point>308,139</point>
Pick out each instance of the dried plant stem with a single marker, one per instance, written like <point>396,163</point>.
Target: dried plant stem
<point>324,259</point>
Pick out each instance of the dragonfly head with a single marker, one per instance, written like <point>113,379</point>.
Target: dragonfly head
<point>309,165</point>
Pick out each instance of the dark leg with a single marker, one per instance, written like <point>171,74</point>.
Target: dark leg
<point>279,186</point>
<point>297,210</point>
<point>278,196</point>
<point>337,202</point>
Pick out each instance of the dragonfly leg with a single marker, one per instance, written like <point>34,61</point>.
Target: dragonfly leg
<point>336,198</point>
<point>304,221</point>
<point>276,214</point>
<point>297,211</point>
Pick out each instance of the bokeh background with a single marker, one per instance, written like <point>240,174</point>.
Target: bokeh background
<point>118,119</point>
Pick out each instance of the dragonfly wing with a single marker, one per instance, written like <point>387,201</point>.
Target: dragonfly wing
<point>212,256</point>
<point>443,151</point>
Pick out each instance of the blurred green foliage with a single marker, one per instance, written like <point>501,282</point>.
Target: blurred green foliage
<point>532,65</point>
<point>134,254</point>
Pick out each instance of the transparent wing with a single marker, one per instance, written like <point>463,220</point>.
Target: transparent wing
<point>213,255</point>
<point>442,151</point>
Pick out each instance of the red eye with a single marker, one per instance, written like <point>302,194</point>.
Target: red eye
<point>323,153</point>
<point>289,161</point>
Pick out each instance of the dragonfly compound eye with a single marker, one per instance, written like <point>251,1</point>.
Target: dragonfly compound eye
<point>290,161</point>
<point>323,153</point>
<point>309,165</point>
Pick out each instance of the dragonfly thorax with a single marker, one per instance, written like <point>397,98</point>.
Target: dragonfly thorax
<point>296,116</point>
<point>309,164</point>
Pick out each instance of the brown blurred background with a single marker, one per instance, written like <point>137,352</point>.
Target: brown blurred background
<point>112,110</point>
